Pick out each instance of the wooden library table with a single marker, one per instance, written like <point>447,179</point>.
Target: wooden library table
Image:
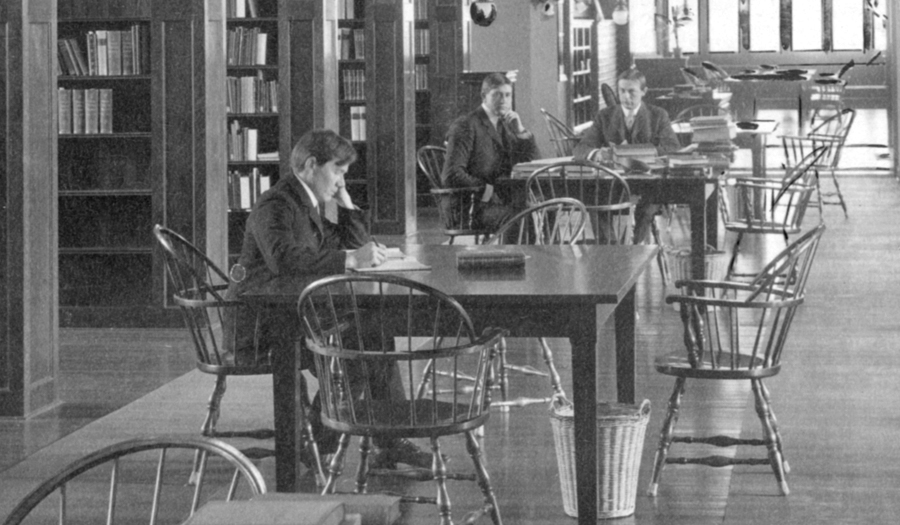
<point>756,132</point>
<point>564,291</point>
<point>699,193</point>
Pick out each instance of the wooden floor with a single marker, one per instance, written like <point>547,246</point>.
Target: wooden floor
<point>836,400</point>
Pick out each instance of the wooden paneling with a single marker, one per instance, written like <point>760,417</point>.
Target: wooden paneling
<point>390,110</point>
<point>29,358</point>
<point>449,58</point>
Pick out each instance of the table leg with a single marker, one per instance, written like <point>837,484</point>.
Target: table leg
<point>288,425</point>
<point>583,338</point>
<point>625,374</point>
<point>699,233</point>
<point>758,151</point>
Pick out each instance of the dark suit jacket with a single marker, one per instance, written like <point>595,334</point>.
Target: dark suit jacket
<point>477,154</point>
<point>651,126</point>
<point>285,236</point>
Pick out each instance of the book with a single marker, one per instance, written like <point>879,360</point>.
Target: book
<point>65,111</point>
<point>127,38</point>
<point>397,264</point>
<point>344,42</point>
<point>102,44</point>
<point>362,123</point>
<point>65,58</point>
<point>91,111</point>
<point>250,140</point>
<point>114,52</point>
<point>354,122</point>
<point>106,110</point>
<point>92,52</point>
<point>80,59</point>
<point>244,192</point>
<point>486,259</point>
<point>359,44</point>
<point>252,9</point>
<point>77,111</point>
<point>261,45</point>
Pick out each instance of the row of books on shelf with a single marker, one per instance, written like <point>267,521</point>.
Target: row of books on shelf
<point>85,111</point>
<point>422,41</point>
<point>244,188</point>
<point>358,123</point>
<point>354,84</point>
<point>251,95</point>
<point>243,142</point>
<point>421,77</point>
<point>420,8</point>
<point>346,9</point>
<point>106,53</point>
<point>352,43</point>
<point>241,9</point>
<point>246,46</point>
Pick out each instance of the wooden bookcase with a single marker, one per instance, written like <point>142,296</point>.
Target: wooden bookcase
<point>351,52</point>
<point>145,165</point>
<point>253,110</point>
<point>580,59</point>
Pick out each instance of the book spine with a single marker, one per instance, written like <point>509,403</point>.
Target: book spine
<point>106,110</point>
<point>91,111</point>
<point>114,52</point>
<point>262,40</point>
<point>65,111</point>
<point>92,52</point>
<point>362,123</point>
<point>127,53</point>
<point>251,136</point>
<point>77,111</point>
<point>102,54</point>
<point>245,191</point>
<point>80,59</point>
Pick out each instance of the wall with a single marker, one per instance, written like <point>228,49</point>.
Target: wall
<point>521,38</point>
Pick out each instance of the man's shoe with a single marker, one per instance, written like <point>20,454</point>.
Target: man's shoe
<point>401,451</point>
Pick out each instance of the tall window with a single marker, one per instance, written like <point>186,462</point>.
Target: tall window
<point>689,32</point>
<point>642,26</point>
<point>806,29</point>
<point>723,27</point>
<point>847,24</point>
<point>764,26</point>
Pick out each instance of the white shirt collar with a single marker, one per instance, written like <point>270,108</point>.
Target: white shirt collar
<point>309,192</point>
<point>633,112</point>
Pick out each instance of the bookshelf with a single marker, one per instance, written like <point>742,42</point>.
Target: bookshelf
<point>135,148</point>
<point>422,61</point>
<point>580,53</point>
<point>106,195</point>
<point>253,112</point>
<point>351,52</point>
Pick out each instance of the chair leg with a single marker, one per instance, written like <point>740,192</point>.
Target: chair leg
<point>765,393</point>
<point>337,465</point>
<point>209,424</point>
<point>311,444</point>
<point>439,471</point>
<point>840,196</point>
<point>661,260</point>
<point>555,381</point>
<point>775,459</point>
<point>484,480</point>
<point>362,471</point>
<point>734,253</point>
<point>504,376</point>
<point>665,435</point>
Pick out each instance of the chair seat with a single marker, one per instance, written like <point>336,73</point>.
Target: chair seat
<point>747,367</point>
<point>432,419</point>
<point>235,370</point>
<point>761,227</point>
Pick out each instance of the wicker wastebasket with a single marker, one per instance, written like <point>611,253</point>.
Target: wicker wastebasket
<point>715,264</point>
<point>620,440</point>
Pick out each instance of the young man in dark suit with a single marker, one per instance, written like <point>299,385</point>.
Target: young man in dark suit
<point>633,121</point>
<point>287,235</point>
<point>484,145</point>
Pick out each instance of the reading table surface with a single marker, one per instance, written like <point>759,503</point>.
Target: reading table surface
<point>578,292</point>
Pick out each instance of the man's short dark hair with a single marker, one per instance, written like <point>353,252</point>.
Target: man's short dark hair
<point>324,145</point>
<point>493,81</point>
<point>633,74</point>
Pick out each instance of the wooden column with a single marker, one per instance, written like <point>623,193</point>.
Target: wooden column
<point>188,125</point>
<point>308,83</point>
<point>390,107</point>
<point>893,77</point>
<point>449,57</point>
<point>29,333</point>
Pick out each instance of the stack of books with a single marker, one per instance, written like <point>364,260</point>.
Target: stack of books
<point>354,83</point>
<point>713,133</point>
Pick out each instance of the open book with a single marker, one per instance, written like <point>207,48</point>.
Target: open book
<point>397,261</point>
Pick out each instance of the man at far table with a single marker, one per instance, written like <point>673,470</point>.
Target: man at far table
<point>484,145</point>
<point>633,121</point>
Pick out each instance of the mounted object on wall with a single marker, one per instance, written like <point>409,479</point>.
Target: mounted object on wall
<point>483,13</point>
<point>547,7</point>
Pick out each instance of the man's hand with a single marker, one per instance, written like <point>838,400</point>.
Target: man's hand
<point>367,256</point>
<point>514,122</point>
<point>488,193</point>
<point>343,199</point>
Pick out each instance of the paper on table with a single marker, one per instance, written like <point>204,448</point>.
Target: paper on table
<point>404,263</point>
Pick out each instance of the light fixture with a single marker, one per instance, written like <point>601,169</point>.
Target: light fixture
<point>483,13</point>
<point>620,13</point>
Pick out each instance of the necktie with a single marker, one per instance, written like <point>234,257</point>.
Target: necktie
<point>629,120</point>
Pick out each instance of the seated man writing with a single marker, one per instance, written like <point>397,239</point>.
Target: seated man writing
<point>285,236</point>
<point>484,145</point>
<point>633,121</point>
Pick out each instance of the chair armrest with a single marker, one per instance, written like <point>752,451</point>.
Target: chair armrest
<point>733,303</point>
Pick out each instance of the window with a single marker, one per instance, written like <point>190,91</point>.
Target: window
<point>642,26</point>
<point>723,27</point>
<point>764,26</point>
<point>846,24</point>
<point>689,32</point>
<point>806,36</point>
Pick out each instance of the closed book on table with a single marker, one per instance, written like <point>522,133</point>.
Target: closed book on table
<point>490,259</point>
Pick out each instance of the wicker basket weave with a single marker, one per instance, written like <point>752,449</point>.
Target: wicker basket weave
<point>620,440</point>
<point>715,263</point>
